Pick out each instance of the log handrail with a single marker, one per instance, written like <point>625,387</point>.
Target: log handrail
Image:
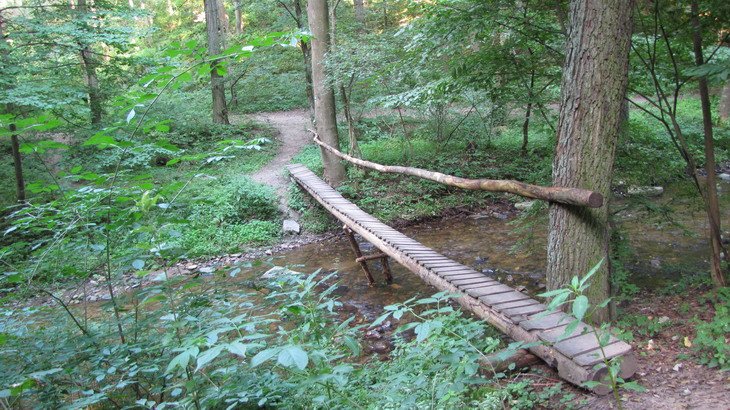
<point>569,196</point>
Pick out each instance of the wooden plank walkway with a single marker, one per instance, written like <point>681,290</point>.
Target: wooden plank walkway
<point>578,358</point>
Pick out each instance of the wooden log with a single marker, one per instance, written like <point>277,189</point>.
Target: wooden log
<point>371,257</point>
<point>569,196</point>
<point>358,254</point>
<point>386,270</point>
<point>498,363</point>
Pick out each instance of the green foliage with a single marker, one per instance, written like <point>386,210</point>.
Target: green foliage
<point>711,342</point>
<point>211,240</point>
<point>233,200</point>
<point>640,324</point>
<point>209,348</point>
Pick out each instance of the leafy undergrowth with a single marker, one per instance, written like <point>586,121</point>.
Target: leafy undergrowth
<point>193,343</point>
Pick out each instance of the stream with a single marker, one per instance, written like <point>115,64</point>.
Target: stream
<point>663,245</point>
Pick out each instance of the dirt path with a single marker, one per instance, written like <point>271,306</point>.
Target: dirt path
<point>293,136</point>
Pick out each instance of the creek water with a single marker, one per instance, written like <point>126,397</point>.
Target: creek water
<point>666,238</point>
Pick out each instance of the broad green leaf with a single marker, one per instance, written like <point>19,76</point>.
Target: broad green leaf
<point>293,356</point>
<point>263,356</point>
<point>208,356</point>
<point>552,293</point>
<point>591,273</point>
<point>100,140</point>
<point>138,264</point>
<point>580,306</point>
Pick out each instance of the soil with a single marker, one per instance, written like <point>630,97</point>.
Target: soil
<point>293,136</point>
<point>667,367</point>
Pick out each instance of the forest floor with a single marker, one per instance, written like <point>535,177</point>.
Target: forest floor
<point>666,369</point>
<point>293,136</point>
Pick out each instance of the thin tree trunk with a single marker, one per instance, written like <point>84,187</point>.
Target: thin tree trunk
<point>324,96</point>
<point>711,201</point>
<point>215,44</point>
<point>724,108</point>
<point>18,165</point>
<point>239,17</point>
<point>92,81</point>
<point>15,144</point>
<point>528,112</point>
<point>351,130</point>
<point>306,54</point>
<point>170,8</point>
<point>595,76</point>
<point>359,6</point>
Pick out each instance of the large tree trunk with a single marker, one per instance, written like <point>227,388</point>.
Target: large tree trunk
<point>306,54</point>
<point>215,44</point>
<point>92,81</point>
<point>239,16</point>
<point>324,96</point>
<point>595,77</point>
<point>710,193</point>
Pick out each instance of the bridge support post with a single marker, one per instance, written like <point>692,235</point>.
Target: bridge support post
<point>358,254</point>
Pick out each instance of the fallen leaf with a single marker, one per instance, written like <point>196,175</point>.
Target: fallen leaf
<point>687,342</point>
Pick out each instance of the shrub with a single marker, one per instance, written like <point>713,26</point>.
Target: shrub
<point>711,342</point>
<point>234,201</point>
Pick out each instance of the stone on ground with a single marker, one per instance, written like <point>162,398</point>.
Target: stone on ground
<point>291,226</point>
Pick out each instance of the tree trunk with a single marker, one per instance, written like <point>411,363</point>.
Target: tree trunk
<point>324,96</point>
<point>92,81</point>
<point>15,144</point>
<point>239,17</point>
<point>594,82</point>
<point>360,14</point>
<point>528,111</point>
<point>711,202</point>
<point>351,130</point>
<point>215,44</point>
<point>306,54</point>
<point>170,9</point>
<point>724,109</point>
<point>18,164</point>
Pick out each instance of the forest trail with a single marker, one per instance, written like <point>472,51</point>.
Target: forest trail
<point>293,136</point>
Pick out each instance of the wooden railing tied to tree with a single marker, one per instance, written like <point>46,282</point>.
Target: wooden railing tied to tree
<point>569,196</point>
<point>578,357</point>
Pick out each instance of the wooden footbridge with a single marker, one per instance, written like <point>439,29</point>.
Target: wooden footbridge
<point>578,357</point>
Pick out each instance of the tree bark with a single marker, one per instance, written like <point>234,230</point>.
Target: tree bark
<point>570,196</point>
<point>93,89</point>
<point>351,130</point>
<point>18,165</point>
<point>324,97</point>
<point>711,201</point>
<point>528,112</point>
<point>359,14</point>
<point>724,108</point>
<point>215,44</point>
<point>306,54</point>
<point>239,17</point>
<point>594,82</point>
<point>14,143</point>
